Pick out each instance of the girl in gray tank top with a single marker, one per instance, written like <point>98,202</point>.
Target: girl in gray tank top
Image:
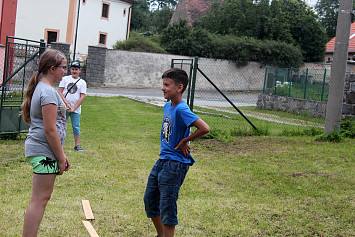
<point>44,111</point>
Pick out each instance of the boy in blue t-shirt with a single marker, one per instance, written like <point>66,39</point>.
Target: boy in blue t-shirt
<point>169,171</point>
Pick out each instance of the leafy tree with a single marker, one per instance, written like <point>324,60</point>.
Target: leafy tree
<point>174,38</point>
<point>140,15</point>
<point>163,3</point>
<point>161,19</point>
<point>143,19</point>
<point>289,21</point>
<point>327,11</point>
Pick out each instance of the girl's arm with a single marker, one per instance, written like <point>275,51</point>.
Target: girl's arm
<point>49,113</point>
<point>60,92</point>
<point>202,129</point>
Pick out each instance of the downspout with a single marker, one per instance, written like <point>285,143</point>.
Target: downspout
<point>129,21</point>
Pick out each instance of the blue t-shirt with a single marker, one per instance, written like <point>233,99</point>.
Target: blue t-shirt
<point>176,126</point>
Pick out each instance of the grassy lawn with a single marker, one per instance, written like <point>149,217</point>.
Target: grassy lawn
<point>252,186</point>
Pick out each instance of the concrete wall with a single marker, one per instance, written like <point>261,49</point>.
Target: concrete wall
<point>144,70</point>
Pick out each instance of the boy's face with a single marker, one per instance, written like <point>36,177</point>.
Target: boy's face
<point>75,72</point>
<point>170,89</point>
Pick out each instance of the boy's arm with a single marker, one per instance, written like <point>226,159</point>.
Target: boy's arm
<point>60,92</point>
<point>78,103</point>
<point>202,129</point>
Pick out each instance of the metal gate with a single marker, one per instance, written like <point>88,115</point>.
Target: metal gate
<point>191,66</point>
<point>19,64</point>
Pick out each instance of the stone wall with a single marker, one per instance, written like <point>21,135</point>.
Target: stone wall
<point>62,47</point>
<point>349,96</point>
<point>310,107</point>
<point>95,66</point>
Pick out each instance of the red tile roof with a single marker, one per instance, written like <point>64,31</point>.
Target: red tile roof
<point>330,44</point>
<point>191,10</point>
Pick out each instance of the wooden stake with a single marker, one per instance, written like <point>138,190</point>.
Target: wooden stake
<point>87,210</point>
<point>90,229</point>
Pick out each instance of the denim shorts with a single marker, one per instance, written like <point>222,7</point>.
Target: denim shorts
<point>75,122</point>
<point>163,188</point>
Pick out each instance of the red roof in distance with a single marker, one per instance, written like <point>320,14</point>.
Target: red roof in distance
<point>331,43</point>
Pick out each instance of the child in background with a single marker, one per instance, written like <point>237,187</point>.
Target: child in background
<point>45,111</point>
<point>168,173</point>
<point>72,89</point>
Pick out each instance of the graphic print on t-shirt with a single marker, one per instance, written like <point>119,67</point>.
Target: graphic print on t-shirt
<point>74,89</point>
<point>167,124</point>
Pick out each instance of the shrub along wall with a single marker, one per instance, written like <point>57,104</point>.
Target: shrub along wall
<point>312,108</point>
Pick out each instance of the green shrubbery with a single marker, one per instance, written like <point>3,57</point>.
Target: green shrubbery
<point>181,39</point>
<point>347,130</point>
<point>139,43</point>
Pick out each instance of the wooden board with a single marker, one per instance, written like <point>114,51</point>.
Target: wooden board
<point>87,210</point>
<point>90,229</point>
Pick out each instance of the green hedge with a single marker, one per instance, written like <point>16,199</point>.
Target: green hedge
<point>181,39</point>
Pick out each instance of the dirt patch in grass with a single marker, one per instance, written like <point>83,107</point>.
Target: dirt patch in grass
<point>244,145</point>
<point>309,173</point>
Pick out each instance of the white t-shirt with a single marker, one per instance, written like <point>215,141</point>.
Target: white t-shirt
<point>74,94</point>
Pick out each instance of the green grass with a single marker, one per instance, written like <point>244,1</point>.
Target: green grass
<point>250,186</point>
<point>228,119</point>
<point>302,91</point>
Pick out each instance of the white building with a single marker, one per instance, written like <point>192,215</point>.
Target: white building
<point>99,22</point>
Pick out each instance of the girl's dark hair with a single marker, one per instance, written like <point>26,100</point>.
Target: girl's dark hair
<point>48,59</point>
<point>178,75</point>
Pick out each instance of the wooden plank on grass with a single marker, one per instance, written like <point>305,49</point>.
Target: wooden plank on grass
<point>87,210</point>
<point>90,229</point>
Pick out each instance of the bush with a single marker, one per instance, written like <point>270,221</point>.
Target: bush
<point>331,137</point>
<point>181,39</point>
<point>347,128</point>
<point>139,43</point>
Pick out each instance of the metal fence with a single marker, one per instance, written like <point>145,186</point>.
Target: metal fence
<point>20,61</point>
<point>234,111</point>
<point>312,84</point>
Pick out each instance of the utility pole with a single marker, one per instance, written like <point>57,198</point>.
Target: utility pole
<point>337,75</point>
<point>76,30</point>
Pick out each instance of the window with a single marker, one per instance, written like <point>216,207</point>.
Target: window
<point>84,1</point>
<point>124,12</point>
<point>105,10</point>
<point>102,38</point>
<point>51,35</point>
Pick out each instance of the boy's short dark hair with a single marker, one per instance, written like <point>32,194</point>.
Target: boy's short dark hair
<point>178,75</point>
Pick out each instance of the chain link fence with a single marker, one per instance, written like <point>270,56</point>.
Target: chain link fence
<point>226,98</point>
<point>311,84</point>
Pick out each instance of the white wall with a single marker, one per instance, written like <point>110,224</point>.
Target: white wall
<point>34,16</point>
<point>90,24</point>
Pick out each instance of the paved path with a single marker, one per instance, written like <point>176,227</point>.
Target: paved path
<point>206,99</point>
<point>155,96</point>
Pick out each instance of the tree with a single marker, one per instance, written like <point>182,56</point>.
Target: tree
<point>289,21</point>
<point>327,11</point>
<point>143,19</point>
<point>163,3</point>
<point>140,15</point>
<point>161,19</point>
